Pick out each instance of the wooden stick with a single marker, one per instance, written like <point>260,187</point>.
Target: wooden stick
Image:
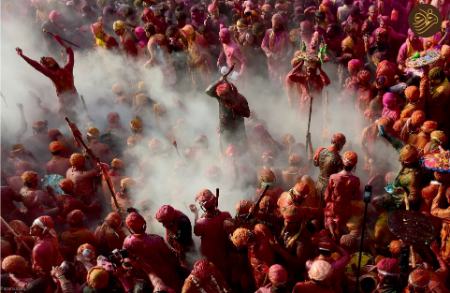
<point>65,40</point>
<point>411,249</point>
<point>15,234</point>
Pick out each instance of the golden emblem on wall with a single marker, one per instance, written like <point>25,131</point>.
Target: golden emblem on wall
<point>424,20</point>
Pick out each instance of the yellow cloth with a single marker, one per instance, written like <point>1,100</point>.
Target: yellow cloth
<point>99,42</point>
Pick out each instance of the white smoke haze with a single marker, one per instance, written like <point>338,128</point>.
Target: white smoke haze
<point>168,178</point>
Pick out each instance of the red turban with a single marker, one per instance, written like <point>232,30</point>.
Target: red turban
<point>20,227</point>
<point>417,118</point>
<point>412,93</point>
<point>75,218</point>
<point>364,76</point>
<point>165,214</point>
<point>350,158</point>
<point>354,66</point>
<point>429,126</point>
<point>53,134</point>
<point>136,223</point>
<point>113,219</point>
<point>395,246</point>
<point>380,31</point>
<point>15,264</point>
<point>338,138</point>
<point>223,89</point>
<point>77,160</point>
<point>301,188</point>
<point>388,267</point>
<point>266,175</point>
<point>241,237</point>
<point>419,278</point>
<point>85,246</point>
<point>56,146</point>
<point>243,207</point>
<point>202,269</point>
<point>46,223</point>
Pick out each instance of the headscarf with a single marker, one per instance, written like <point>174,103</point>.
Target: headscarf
<point>141,36</point>
<point>390,106</point>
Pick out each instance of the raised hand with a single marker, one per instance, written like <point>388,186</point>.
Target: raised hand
<point>19,51</point>
<point>193,208</point>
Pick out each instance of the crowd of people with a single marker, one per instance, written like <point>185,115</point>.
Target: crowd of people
<point>73,215</point>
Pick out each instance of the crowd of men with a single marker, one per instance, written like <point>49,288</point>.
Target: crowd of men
<point>71,217</point>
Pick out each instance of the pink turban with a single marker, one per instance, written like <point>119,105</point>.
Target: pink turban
<point>277,275</point>
<point>390,107</point>
<point>224,33</point>
<point>389,100</point>
<point>388,267</point>
<point>354,66</point>
<point>140,32</point>
<point>54,16</point>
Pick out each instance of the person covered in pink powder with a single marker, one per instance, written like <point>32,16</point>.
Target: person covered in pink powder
<point>142,39</point>
<point>277,48</point>
<point>231,55</point>
<point>391,107</point>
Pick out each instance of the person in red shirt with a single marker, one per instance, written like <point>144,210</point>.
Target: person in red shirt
<point>178,231</point>
<point>58,164</point>
<point>62,78</point>
<point>342,188</point>
<point>205,277</point>
<point>153,255</point>
<point>45,253</point>
<point>84,180</point>
<point>76,234</point>
<point>127,39</point>
<point>210,228</point>
<point>110,234</point>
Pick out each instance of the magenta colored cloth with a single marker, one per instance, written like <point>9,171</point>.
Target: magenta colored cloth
<point>141,36</point>
<point>156,255</point>
<point>393,114</point>
<point>390,106</point>
<point>354,66</point>
<point>390,100</point>
<point>224,33</point>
